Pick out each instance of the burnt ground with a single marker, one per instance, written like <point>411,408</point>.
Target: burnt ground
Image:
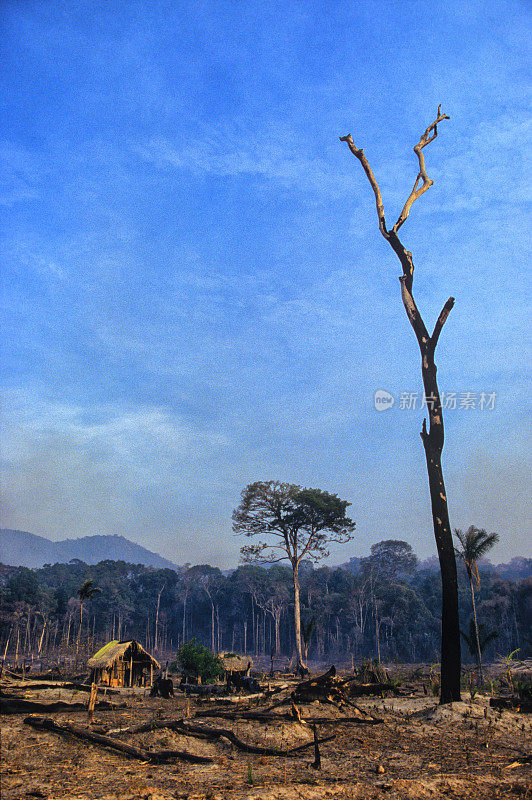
<point>420,750</point>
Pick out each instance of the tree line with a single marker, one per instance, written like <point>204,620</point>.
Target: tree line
<point>384,607</point>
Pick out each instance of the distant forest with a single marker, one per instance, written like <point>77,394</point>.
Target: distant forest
<point>385,606</point>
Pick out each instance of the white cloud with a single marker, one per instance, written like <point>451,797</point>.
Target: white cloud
<point>274,151</point>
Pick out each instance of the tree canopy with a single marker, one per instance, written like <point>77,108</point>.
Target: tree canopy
<point>298,523</point>
<point>391,558</point>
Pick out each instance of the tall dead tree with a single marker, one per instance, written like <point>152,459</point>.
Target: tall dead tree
<point>433,438</point>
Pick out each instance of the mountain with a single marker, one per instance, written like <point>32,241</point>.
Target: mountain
<point>22,549</point>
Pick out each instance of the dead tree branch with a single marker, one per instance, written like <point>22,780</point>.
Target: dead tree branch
<point>189,729</point>
<point>422,175</point>
<point>47,724</point>
<point>16,705</point>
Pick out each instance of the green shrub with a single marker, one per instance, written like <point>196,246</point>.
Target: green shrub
<point>200,662</point>
<point>523,689</point>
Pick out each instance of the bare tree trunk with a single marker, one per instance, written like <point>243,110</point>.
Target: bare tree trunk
<point>27,635</point>
<point>277,622</point>
<point>253,620</point>
<point>516,627</point>
<point>477,640</point>
<point>56,629</point>
<point>297,615</point>
<point>213,648</point>
<point>7,643</point>
<point>433,439</point>
<point>156,637</point>
<point>42,637</point>
<point>184,616</point>
<point>377,630</point>
<point>80,626</point>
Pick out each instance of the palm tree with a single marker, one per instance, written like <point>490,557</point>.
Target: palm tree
<point>484,637</point>
<point>85,592</point>
<point>475,543</point>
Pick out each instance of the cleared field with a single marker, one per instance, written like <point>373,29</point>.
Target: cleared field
<point>399,747</point>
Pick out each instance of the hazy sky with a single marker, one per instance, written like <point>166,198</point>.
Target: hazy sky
<point>196,294</point>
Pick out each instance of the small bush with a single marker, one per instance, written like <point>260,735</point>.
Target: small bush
<point>200,662</point>
<point>523,689</point>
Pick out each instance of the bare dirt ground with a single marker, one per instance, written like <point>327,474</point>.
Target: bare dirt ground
<point>419,750</point>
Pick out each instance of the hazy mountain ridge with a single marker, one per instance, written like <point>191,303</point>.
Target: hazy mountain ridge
<point>24,549</point>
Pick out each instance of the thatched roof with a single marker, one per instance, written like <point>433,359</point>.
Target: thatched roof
<point>232,661</point>
<point>114,651</point>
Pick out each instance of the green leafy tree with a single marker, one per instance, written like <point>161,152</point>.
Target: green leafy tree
<point>24,585</point>
<point>391,559</point>
<point>200,662</point>
<point>296,524</point>
<point>474,544</point>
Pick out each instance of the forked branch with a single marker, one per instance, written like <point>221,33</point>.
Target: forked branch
<point>426,139</point>
<point>428,136</point>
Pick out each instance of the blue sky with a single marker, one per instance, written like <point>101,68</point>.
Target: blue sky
<point>196,294</point>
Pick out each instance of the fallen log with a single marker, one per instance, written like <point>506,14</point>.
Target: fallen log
<point>203,690</point>
<point>236,699</point>
<point>243,714</point>
<point>258,716</point>
<point>205,732</point>
<point>511,704</point>
<point>276,689</point>
<point>16,705</point>
<point>146,727</point>
<point>362,689</point>
<point>309,744</point>
<point>80,687</point>
<point>44,723</point>
<point>216,733</point>
<point>16,675</point>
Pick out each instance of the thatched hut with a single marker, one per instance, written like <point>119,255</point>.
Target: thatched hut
<point>233,663</point>
<point>122,664</point>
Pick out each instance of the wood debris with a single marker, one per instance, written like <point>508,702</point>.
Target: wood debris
<point>65,729</point>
